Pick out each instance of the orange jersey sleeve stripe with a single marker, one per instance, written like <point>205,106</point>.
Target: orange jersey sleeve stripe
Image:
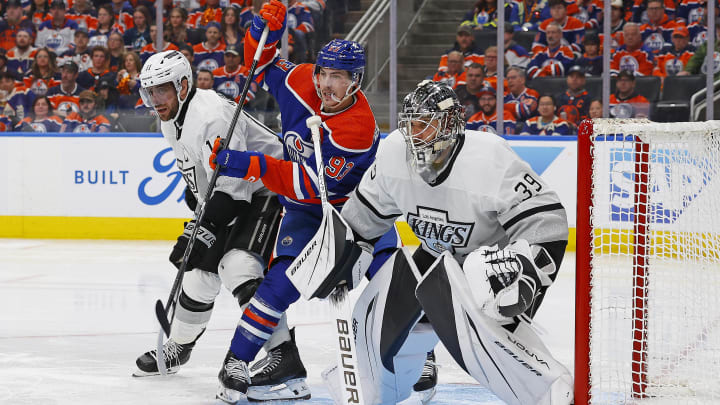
<point>288,179</point>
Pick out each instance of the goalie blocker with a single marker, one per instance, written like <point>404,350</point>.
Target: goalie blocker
<point>331,258</point>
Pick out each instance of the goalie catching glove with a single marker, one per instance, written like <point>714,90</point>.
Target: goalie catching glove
<point>205,240</point>
<point>509,279</point>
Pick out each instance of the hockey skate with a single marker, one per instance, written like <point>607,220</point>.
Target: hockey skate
<point>175,354</point>
<point>425,386</point>
<point>280,375</point>
<point>234,379</point>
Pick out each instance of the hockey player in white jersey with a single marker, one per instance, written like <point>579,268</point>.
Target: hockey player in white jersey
<point>236,233</point>
<point>492,237</point>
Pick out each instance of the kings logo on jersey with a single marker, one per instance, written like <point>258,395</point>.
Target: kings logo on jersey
<point>188,173</point>
<point>297,149</point>
<point>435,229</point>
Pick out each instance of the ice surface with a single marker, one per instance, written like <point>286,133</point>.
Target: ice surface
<point>74,316</point>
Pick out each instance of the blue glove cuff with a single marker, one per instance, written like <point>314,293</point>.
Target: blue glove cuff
<point>257,27</point>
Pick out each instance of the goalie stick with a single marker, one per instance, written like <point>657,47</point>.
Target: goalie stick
<point>166,313</point>
<point>346,354</point>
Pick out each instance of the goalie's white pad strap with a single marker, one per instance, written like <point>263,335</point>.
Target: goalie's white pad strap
<point>515,369</point>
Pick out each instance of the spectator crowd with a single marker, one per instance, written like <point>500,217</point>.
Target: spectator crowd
<point>73,65</point>
<point>649,38</point>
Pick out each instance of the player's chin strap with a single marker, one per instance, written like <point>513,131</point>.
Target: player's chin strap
<point>348,93</point>
<point>180,117</point>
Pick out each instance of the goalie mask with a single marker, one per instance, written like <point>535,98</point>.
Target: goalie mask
<point>159,69</point>
<point>431,122</point>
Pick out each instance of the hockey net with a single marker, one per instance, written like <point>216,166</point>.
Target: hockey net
<point>648,263</point>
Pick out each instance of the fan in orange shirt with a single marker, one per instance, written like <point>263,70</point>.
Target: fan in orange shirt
<point>672,59</point>
<point>486,119</point>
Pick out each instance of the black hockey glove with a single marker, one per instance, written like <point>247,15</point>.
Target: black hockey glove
<point>204,240</point>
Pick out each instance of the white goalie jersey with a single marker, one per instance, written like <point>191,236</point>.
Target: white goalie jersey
<point>207,116</point>
<point>489,195</point>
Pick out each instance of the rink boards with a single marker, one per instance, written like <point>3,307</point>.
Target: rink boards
<point>126,185</point>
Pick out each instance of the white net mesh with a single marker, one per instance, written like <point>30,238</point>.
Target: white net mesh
<point>655,266</point>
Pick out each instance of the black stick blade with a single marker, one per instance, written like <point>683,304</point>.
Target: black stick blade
<point>162,317</point>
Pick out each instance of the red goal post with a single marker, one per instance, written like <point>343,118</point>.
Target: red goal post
<point>647,312</point>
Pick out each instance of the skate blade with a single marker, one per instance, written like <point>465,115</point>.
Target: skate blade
<point>228,395</point>
<point>425,396</point>
<point>140,373</point>
<point>290,390</point>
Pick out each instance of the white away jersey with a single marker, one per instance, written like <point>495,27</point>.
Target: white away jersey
<point>208,116</point>
<point>490,196</point>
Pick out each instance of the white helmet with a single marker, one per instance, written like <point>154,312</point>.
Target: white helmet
<point>165,67</point>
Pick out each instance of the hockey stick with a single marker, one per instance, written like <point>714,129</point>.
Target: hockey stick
<point>346,355</point>
<point>166,313</point>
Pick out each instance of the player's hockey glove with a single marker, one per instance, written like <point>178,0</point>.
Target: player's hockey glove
<point>205,239</point>
<point>247,165</point>
<point>507,279</point>
<point>272,14</point>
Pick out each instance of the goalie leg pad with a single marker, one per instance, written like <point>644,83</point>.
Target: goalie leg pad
<point>384,315</point>
<point>514,368</point>
<point>199,290</point>
<point>410,359</point>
